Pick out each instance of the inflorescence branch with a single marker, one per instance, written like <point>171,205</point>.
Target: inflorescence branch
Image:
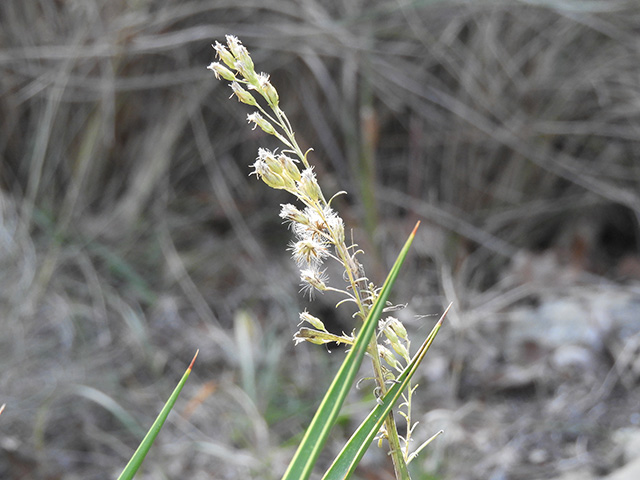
<point>319,234</point>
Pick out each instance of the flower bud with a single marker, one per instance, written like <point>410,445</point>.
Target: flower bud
<point>234,44</point>
<point>220,70</point>
<point>289,185</point>
<point>248,73</point>
<point>312,336</point>
<point>397,326</point>
<point>315,321</point>
<point>396,344</point>
<point>290,167</point>
<point>388,356</point>
<point>270,93</point>
<point>335,223</point>
<point>259,120</point>
<point>292,214</point>
<point>275,181</point>
<point>309,185</point>
<point>272,179</point>
<point>391,335</point>
<point>224,55</point>
<point>274,165</point>
<point>243,95</point>
<point>239,51</point>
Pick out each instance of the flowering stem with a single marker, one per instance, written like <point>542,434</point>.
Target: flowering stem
<point>352,270</point>
<point>317,227</point>
<point>399,464</point>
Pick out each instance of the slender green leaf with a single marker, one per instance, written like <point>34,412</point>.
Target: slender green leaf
<point>347,460</point>
<point>136,460</point>
<point>305,457</point>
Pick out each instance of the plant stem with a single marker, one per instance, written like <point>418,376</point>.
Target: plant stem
<point>352,269</point>
<point>399,464</point>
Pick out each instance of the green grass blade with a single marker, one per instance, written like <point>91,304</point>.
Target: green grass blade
<point>347,460</point>
<point>136,460</point>
<point>305,457</point>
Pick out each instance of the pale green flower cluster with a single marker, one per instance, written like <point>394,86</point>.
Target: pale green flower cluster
<point>319,232</point>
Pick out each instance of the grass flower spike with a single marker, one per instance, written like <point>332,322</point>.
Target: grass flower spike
<point>319,236</point>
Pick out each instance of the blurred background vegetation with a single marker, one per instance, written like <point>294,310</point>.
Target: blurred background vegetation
<point>130,234</point>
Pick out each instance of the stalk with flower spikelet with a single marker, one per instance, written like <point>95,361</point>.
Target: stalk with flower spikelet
<point>319,235</point>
